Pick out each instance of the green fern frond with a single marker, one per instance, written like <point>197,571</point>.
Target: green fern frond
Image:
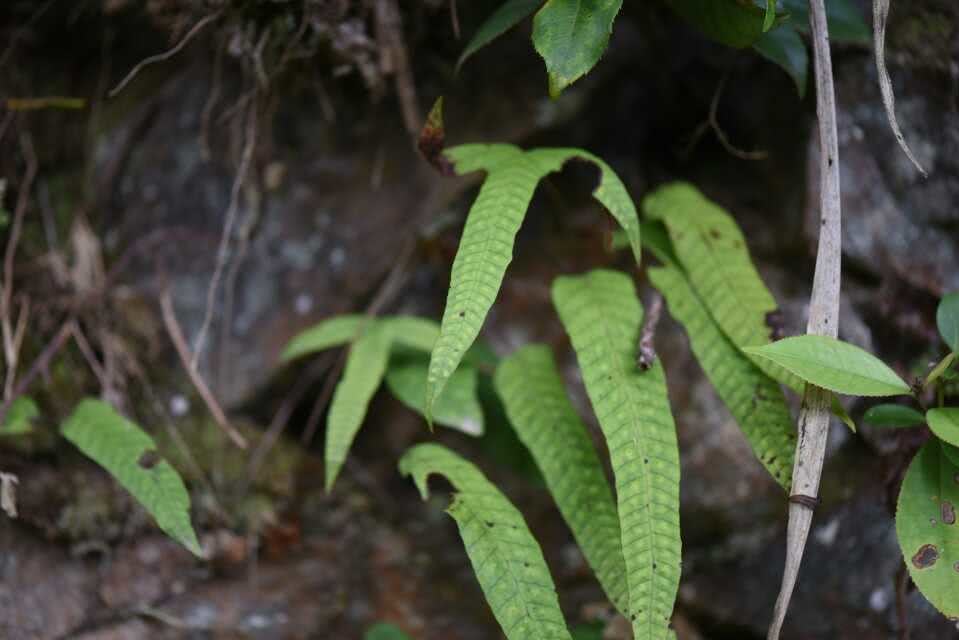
<point>327,334</point>
<point>714,254</point>
<point>506,558</point>
<point>602,316</point>
<point>458,407</point>
<point>364,371</point>
<point>130,456</point>
<point>486,247</point>
<point>536,403</point>
<point>755,400</point>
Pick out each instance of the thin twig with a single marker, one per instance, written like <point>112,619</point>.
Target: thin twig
<point>313,421</point>
<point>647,337</point>
<point>712,122</point>
<point>40,364</point>
<point>880,13</point>
<point>455,19</point>
<point>176,335</point>
<point>89,356</point>
<point>166,55</point>
<point>223,253</point>
<point>814,416</point>
<point>10,350</point>
<point>394,59</point>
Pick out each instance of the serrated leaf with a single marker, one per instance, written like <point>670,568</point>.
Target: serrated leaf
<point>385,631</point>
<point>833,364</point>
<point>945,424</point>
<point>754,399</point>
<point>365,366</point>
<point>506,558</point>
<point>785,48</point>
<point>714,254</point>
<point>327,334</point>
<point>602,315</point>
<point>732,22</point>
<point>571,36</point>
<point>509,14</point>
<point>486,247</point>
<point>23,410</point>
<point>947,319</point>
<point>458,407</point>
<point>130,456</point>
<point>892,415</point>
<point>536,403</point>
<point>846,23</point>
<point>926,527</point>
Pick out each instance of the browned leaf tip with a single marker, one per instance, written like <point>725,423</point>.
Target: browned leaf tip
<point>433,138</point>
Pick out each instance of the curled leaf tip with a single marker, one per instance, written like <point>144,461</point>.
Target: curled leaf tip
<point>432,139</point>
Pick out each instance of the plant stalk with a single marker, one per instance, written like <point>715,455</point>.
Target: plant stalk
<point>814,416</point>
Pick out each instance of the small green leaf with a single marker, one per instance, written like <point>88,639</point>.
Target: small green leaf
<point>945,424</point>
<point>941,370</point>
<point>571,36</point>
<point>385,631</point>
<point>19,416</point>
<point>927,529</point>
<point>845,22</point>
<point>834,365</point>
<point>130,456</point>
<point>506,558</point>
<point>365,366</point>
<point>509,14</point>
<point>327,334</point>
<point>770,16</point>
<point>785,48</point>
<point>457,407</point>
<point>947,318</point>
<point>892,415</point>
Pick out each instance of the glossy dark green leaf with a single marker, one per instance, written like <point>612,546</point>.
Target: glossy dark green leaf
<point>846,23</point>
<point>571,36</point>
<point>947,318</point>
<point>732,22</point>
<point>893,415</point>
<point>785,48</point>
<point>510,14</point>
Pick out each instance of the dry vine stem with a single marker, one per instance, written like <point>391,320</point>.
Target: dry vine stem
<point>814,415</point>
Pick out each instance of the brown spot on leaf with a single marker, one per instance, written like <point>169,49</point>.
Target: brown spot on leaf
<point>433,138</point>
<point>948,512</point>
<point>148,459</point>
<point>927,556</point>
<point>715,234</point>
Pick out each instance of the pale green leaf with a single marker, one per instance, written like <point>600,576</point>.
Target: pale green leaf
<point>892,415</point>
<point>714,254</point>
<point>509,14</point>
<point>458,407</point>
<point>785,48</point>
<point>770,17</point>
<point>327,334</point>
<point>365,366</point>
<point>416,333</point>
<point>506,558</point>
<point>754,399</point>
<point>486,247</point>
<point>947,318</point>
<point>945,424</point>
<point>833,364</point>
<point>537,406</point>
<point>927,529</point>
<point>20,415</point>
<point>602,315</point>
<point>131,457</point>
<point>571,36</point>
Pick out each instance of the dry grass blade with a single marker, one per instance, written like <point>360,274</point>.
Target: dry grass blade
<point>814,415</point>
<point>166,55</point>
<point>176,335</point>
<point>880,13</point>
